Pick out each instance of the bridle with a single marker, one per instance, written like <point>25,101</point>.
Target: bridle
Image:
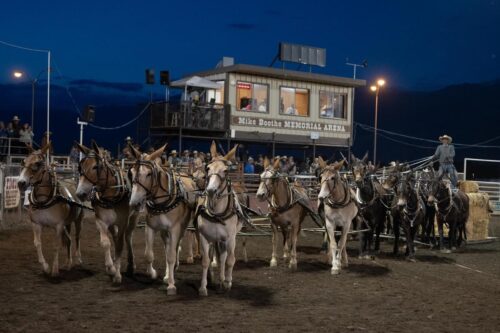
<point>410,213</point>
<point>449,197</point>
<point>156,185</point>
<point>275,178</point>
<point>36,180</point>
<point>332,183</point>
<point>99,167</point>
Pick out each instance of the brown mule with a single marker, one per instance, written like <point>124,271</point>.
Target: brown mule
<point>50,208</point>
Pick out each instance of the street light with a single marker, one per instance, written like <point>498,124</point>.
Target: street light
<point>376,88</point>
<point>18,75</point>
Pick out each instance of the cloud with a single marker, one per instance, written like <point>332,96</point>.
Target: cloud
<point>125,87</point>
<point>242,26</point>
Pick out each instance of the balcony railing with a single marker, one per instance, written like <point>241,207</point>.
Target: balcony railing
<point>202,116</point>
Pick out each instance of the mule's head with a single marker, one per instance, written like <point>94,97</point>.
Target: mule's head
<point>268,178</point>
<point>90,169</point>
<point>218,169</point>
<point>144,174</point>
<point>359,167</point>
<point>439,187</point>
<point>394,176</point>
<point>33,166</point>
<point>329,177</point>
<point>404,189</point>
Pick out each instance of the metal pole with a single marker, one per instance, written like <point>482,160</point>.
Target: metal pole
<point>81,123</point>
<point>375,132</point>
<point>48,104</point>
<point>33,83</point>
<point>274,145</point>
<point>314,149</point>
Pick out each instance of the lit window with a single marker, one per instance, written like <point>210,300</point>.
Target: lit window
<point>332,105</point>
<point>216,94</point>
<point>294,101</point>
<point>252,97</point>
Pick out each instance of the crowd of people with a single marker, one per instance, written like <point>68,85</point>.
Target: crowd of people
<point>14,136</point>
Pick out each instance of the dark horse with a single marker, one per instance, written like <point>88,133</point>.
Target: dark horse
<point>409,214</point>
<point>427,234</point>
<point>452,209</point>
<point>370,202</point>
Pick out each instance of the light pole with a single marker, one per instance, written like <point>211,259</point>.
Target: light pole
<point>376,88</point>
<point>18,75</point>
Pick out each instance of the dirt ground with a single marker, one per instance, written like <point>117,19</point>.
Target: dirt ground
<point>457,292</point>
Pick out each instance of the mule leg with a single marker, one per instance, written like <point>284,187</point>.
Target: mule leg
<point>244,245</point>
<point>286,242</point>
<point>205,263</point>
<point>119,245</point>
<point>59,243</point>
<point>344,261</point>
<point>66,241</point>
<point>106,245</point>
<point>37,235</point>
<point>171,254</point>
<point>330,227</point>
<point>231,259</point>
<point>294,235</point>
<point>222,262</point>
<point>78,230</point>
<point>378,230</point>
<point>129,233</point>
<point>149,253</point>
<point>190,244</point>
<point>441,238</point>
<point>274,256</point>
<point>397,231</point>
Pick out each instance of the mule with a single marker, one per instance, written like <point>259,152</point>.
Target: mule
<point>50,208</point>
<point>427,234</point>
<point>339,210</point>
<point>369,195</point>
<point>287,205</point>
<point>170,201</point>
<point>217,219</point>
<point>452,209</point>
<point>107,187</point>
<point>411,214</point>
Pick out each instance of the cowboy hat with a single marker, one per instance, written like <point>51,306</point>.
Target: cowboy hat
<point>173,152</point>
<point>128,138</point>
<point>445,137</point>
<point>15,118</point>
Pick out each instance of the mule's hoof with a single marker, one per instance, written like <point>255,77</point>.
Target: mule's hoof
<point>293,266</point>
<point>335,271</point>
<point>214,264</point>
<point>54,273</point>
<point>273,263</point>
<point>46,268</point>
<point>190,260</point>
<point>228,285</point>
<point>117,279</point>
<point>153,274</point>
<point>411,259</point>
<point>110,270</point>
<point>171,291</point>
<point>344,265</point>
<point>203,292</point>
<point>78,261</point>
<point>453,248</point>
<point>446,251</point>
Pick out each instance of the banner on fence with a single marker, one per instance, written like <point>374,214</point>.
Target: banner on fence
<point>12,195</point>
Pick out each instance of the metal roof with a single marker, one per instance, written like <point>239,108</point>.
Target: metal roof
<point>284,74</point>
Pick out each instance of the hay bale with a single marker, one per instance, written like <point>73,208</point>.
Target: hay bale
<point>479,216</point>
<point>468,186</point>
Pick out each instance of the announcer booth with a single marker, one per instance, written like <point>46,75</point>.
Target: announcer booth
<point>274,106</point>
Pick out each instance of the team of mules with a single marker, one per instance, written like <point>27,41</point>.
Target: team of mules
<point>350,197</point>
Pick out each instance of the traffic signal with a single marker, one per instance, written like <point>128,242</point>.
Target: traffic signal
<point>150,76</point>
<point>164,78</point>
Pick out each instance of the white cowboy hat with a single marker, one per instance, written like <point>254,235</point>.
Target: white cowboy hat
<point>445,137</point>
<point>128,138</point>
<point>173,152</point>
<point>15,118</point>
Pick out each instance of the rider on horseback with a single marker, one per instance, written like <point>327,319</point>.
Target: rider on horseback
<point>445,154</point>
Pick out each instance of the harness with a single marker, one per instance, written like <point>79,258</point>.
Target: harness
<point>175,191</point>
<point>103,167</point>
<point>362,203</point>
<point>292,195</point>
<point>346,200</point>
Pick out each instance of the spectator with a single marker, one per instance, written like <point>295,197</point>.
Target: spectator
<point>259,165</point>
<point>26,135</point>
<point>249,166</point>
<point>173,159</point>
<point>314,168</point>
<point>186,156</point>
<point>4,135</point>
<point>291,167</point>
<point>74,154</point>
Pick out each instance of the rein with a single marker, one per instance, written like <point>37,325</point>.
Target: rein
<point>329,200</point>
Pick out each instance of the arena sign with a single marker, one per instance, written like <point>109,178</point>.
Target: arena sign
<point>287,124</point>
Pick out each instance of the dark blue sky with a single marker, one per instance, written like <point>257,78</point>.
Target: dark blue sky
<point>416,45</point>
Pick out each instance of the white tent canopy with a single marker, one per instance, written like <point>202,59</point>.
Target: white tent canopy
<point>196,81</point>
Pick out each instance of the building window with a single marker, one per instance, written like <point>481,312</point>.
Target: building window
<point>216,94</point>
<point>332,105</point>
<point>294,101</point>
<point>252,97</point>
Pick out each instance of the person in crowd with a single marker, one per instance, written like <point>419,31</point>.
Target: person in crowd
<point>249,166</point>
<point>445,154</point>
<point>259,165</point>
<point>25,137</point>
<point>4,140</point>
<point>173,159</point>
<point>186,157</point>
<point>291,110</point>
<point>314,168</point>
<point>74,154</point>
<point>16,126</point>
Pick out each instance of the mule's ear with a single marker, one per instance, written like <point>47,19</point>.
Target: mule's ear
<point>353,158</point>
<point>157,153</point>
<point>266,163</point>
<point>30,148</point>
<point>276,164</point>
<point>321,162</point>
<point>230,156</point>
<point>82,148</point>
<point>135,152</point>
<point>365,158</point>
<point>46,148</point>
<point>339,165</point>
<point>213,150</point>
<point>95,147</point>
